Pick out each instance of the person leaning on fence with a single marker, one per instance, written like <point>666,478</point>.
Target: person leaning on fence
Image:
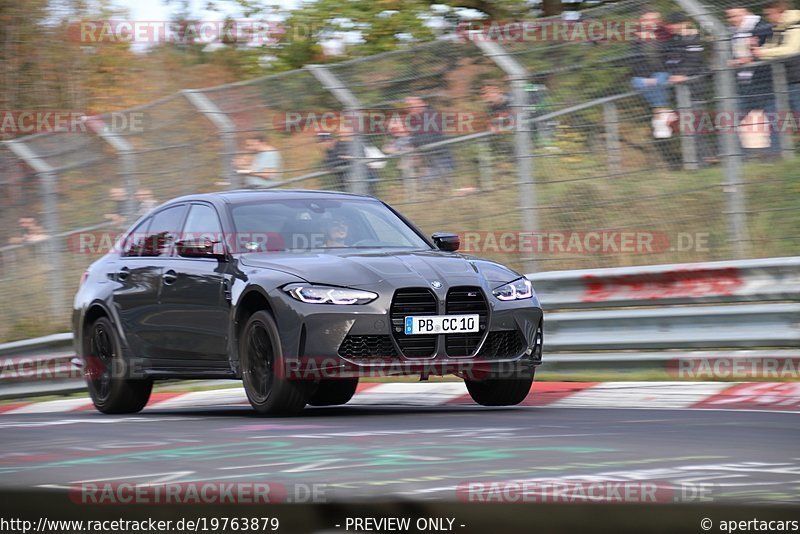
<point>684,56</point>
<point>427,126</point>
<point>333,158</point>
<point>749,31</point>
<point>498,107</point>
<point>784,43</point>
<point>400,143</point>
<point>338,159</point>
<point>650,77</point>
<point>754,84</point>
<point>266,165</point>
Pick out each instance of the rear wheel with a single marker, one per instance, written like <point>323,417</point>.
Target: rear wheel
<point>110,390</point>
<point>334,392</point>
<point>499,391</point>
<point>268,389</point>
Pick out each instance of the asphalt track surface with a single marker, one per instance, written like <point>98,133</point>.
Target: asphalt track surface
<point>416,453</point>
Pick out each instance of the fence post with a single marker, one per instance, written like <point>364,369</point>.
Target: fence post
<point>524,129</point>
<point>780,86</point>
<point>611,120</point>
<point>53,245</point>
<point>485,165</point>
<point>127,158</point>
<point>688,140</point>
<point>227,132</point>
<point>356,178</point>
<point>727,105</point>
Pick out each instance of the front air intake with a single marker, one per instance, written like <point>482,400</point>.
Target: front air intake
<point>413,301</point>
<point>466,301</point>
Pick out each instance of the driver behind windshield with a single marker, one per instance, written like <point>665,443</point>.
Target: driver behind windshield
<point>335,234</point>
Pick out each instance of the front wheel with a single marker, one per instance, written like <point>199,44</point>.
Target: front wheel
<point>268,389</point>
<point>499,391</point>
<point>110,390</point>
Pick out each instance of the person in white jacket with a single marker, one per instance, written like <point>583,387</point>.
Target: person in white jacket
<point>784,43</point>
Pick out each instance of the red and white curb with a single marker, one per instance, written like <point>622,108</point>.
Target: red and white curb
<point>781,396</point>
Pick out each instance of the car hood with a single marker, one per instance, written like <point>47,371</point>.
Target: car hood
<point>369,268</point>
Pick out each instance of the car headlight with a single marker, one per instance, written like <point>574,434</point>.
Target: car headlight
<point>329,295</point>
<point>516,290</point>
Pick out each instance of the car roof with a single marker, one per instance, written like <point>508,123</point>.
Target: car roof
<point>248,195</point>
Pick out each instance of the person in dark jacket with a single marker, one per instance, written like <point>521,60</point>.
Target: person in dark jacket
<point>749,31</point>
<point>426,128</point>
<point>650,77</point>
<point>683,55</point>
<point>338,158</point>
<point>684,51</point>
<point>334,159</point>
<point>753,84</point>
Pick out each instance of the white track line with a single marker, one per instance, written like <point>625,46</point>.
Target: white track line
<point>415,394</point>
<point>55,406</point>
<point>642,395</point>
<point>211,397</point>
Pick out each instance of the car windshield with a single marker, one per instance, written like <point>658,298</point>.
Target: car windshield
<point>298,225</point>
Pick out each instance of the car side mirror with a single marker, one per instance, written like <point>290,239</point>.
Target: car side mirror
<point>446,241</point>
<point>200,248</point>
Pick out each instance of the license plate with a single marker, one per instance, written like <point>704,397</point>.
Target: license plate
<point>441,324</point>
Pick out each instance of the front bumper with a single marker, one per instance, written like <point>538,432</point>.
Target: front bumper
<point>328,341</point>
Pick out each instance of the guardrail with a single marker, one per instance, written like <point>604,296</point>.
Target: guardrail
<point>612,317</point>
<point>763,280</point>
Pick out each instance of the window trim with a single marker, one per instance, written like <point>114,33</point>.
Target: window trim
<point>152,215</point>
<point>221,228</point>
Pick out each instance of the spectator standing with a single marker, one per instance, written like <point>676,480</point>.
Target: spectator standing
<point>334,159</point>
<point>650,77</point>
<point>266,165</point>
<point>437,164</point>
<point>408,162</point>
<point>339,155</point>
<point>784,42</point>
<point>684,54</point>
<point>754,85</point>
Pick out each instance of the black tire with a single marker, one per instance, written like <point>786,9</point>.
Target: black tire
<point>334,392</point>
<point>111,391</point>
<point>268,389</point>
<point>499,391</point>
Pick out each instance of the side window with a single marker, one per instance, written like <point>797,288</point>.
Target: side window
<point>135,240</point>
<point>163,232</point>
<point>202,224</point>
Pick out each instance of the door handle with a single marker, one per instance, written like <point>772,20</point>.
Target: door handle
<point>170,277</point>
<point>123,274</point>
